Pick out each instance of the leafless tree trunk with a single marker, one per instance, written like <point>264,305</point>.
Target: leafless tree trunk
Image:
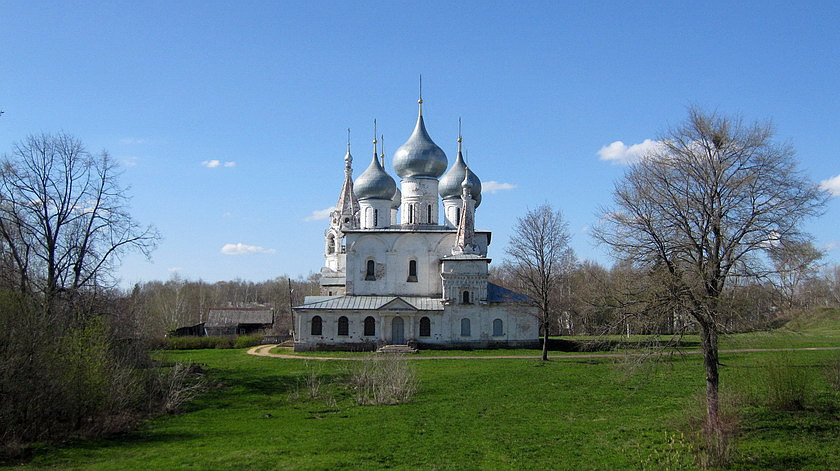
<point>701,207</point>
<point>539,257</point>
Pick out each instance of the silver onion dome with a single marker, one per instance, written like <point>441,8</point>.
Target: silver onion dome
<point>420,156</point>
<point>397,199</point>
<point>374,183</point>
<point>450,184</point>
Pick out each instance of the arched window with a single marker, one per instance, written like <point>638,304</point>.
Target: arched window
<point>369,275</point>
<point>425,327</point>
<point>343,326</point>
<point>370,326</point>
<point>457,216</point>
<point>465,299</point>
<point>429,213</point>
<point>498,328</point>
<point>331,244</point>
<point>412,270</point>
<point>316,326</point>
<point>411,214</point>
<point>465,327</point>
<point>375,217</point>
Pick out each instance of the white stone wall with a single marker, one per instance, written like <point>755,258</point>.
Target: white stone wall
<point>519,323</point>
<point>419,198</point>
<point>375,214</point>
<point>451,211</point>
<point>391,253</point>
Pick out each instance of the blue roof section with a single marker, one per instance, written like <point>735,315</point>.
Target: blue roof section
<point>499,294</point>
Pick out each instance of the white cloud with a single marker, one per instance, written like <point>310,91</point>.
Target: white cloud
<point>243,249</point>
<point>623,154</point>
<point>832,185</point>
<point>320,214</point>
<point>216,163</point>
<point>174,269</point>
<point>130,161</point>
<point>828,247</point>
<point>774,239</point>
<point>494,186</point>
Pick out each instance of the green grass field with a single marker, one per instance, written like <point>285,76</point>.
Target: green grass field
<point>482,414</point>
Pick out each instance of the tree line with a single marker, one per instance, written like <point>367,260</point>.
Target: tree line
<point>157,308</point>
<point>593,299</point>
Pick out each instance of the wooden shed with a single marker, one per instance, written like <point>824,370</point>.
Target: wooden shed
<point>238,321</point>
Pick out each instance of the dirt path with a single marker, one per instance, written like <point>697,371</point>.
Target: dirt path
<point>264,351</point>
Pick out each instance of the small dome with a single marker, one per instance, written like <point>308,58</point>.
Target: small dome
<point>397,199</point>
<point>374,183</point>
<point>450,184</point>
<point>420,156</point>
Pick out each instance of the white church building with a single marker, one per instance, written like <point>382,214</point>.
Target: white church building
<point>396,274</point>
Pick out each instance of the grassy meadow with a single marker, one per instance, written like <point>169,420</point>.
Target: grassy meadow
<point>568,413</point>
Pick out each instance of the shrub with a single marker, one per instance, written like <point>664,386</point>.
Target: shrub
<point>714,441</point>
<point>717,441</point>
<point>213,341</point>
<point>383,379</point>
<point>65,375</point>
<point>313,379</point>
<point>178,385</point>
<point>245,341</point>
<point>832,372</point>
<point>788,387</point>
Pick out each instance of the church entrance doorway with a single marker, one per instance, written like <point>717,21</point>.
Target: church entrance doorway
<point>397,331</point>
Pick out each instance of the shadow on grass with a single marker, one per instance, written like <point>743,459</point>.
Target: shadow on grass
<point>608,345</point>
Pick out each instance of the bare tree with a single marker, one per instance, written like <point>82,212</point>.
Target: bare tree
<point>703,207</point>
<point>794,263</point>
<point>540,257</point>
<point>64,218</point>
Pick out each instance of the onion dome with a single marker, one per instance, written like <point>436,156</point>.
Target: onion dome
<point>450,184</point>
<point>396,200</point>
<point>420,156</point>
<point>374,183</point>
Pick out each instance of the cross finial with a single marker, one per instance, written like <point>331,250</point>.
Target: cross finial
<point>382,149</point>
<point>420,100</point>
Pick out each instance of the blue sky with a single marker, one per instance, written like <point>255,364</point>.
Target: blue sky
<point>268,89</point>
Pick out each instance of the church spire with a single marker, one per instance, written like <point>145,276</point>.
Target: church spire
<point>346,213</point>
<point>465,237</point>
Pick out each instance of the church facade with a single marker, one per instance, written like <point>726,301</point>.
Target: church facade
<point>398,272</point>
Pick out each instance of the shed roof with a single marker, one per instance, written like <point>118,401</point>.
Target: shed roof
<point>234,316</point>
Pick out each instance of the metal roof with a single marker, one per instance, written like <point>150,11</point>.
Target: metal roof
<point>419,303</point>
<point>499,294</point>
<point>234,316</point>
<point>419,157</point>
